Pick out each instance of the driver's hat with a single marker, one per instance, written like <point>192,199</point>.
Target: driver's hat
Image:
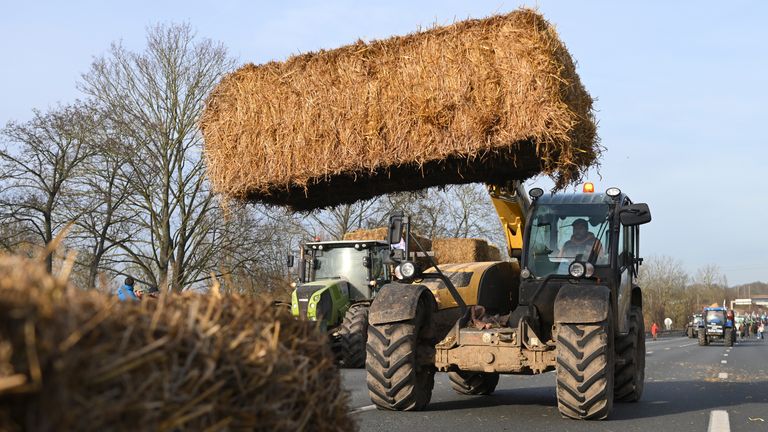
<point>580,221</point>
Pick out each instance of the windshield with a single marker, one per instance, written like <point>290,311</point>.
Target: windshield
<point>563,233</point>
<point>715,317</point>
<point>346,263</point>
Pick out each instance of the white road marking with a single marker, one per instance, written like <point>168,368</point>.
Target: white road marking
<point>649,352</point>
<point>363,409</point>
<point>723,361</point>
<point>725,355</point>
<point>666,349</point>
<point>718,421</point>
<point>692,343</point>
<point>722,375</point>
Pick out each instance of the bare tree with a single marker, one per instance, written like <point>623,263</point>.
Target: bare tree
<point>103,189</point>
<point>39,169</point>
<point>664,283</point>
<point>339,220</point>
<point>156,97</point>
<point>712,284</point>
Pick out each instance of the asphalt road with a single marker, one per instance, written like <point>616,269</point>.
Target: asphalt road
<point>687,388</point>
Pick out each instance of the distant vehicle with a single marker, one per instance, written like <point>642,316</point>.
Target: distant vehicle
<point>692,328</point>
<point>718,324</point>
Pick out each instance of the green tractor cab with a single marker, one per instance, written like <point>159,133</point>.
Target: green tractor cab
<point>337,281</point>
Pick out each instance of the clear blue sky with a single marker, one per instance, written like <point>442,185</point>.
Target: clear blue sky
<point>681,87</point>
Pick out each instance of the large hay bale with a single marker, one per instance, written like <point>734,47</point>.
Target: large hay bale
<point>464,250</point>
<point>482,100</point>
<point>381,233</point>
<point>76,360</point>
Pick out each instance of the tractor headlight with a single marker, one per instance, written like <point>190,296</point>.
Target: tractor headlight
<point>580,269</point>
<point>407,269</point>
<point>589,270</point>
<point>577,269</point>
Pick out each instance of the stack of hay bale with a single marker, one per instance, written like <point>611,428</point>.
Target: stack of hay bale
<point>77,360</point>
<point>381,233</point>
<point>464,250</point>
<point>484,100</point>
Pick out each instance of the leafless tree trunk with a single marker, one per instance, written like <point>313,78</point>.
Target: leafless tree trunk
<point>103,189</point>
<point>156,97</point>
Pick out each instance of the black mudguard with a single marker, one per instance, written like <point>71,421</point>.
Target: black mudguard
<point>397,302</point>
<point>582,303</point>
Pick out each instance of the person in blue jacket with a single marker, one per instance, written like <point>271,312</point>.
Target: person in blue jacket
<point>125,292</point>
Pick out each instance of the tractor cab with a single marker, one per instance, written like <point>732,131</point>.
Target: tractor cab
<point>335,274</point>
<point>574,242</point>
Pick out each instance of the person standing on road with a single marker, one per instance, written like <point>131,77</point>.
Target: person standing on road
<point>754,329</point>
<point>761,330</point>
<point>654,330</point>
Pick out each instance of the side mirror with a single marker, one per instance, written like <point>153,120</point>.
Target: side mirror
<point>315,264</point>
<point>395,233</point>
<point>289,260</point>
<point>367,261</point>
<point>635,214</point>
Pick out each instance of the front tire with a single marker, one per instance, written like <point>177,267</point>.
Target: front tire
<point>354,336</point>
<point>629,379</point>
<point>703,341</point>
<point>585,370</point>
<point>473,383</point>
<point>399,377</point>
<point>728,338</point>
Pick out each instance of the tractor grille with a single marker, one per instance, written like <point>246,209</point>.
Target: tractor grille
<point>303,293</point>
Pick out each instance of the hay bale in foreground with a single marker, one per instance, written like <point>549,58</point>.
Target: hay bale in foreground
<point>464,250</point>
<point>75,360</point>
<point>482,100</point>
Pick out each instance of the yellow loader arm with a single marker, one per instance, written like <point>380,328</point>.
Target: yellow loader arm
<point>511,205</point>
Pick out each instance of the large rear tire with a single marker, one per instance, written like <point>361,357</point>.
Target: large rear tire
<point>473,383</point>
<point>703,341</point>
<point>630,351</point>
<point>399,376</point>
<point>585,370</point>
<point>354,335</point>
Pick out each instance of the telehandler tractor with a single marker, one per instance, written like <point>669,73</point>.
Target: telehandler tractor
<point>572,306</point>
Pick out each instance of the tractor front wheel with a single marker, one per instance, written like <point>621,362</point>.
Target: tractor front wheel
<point>703,341</point>
<point>728,338</point>
<point>400,377</point>
<point>585,369</point>
<point>353,336</point>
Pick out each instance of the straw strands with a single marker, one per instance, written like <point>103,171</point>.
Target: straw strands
<point>76,360</point>
<point>482,100</point>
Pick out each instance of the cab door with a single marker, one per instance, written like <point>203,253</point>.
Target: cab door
<point>628,268</point>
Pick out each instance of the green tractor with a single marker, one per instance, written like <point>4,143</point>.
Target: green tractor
<point>337,282</point>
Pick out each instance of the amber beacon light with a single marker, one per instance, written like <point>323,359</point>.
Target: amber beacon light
<point>589,187</point>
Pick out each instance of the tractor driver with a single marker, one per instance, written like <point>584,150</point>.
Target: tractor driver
<point>581,242</point>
